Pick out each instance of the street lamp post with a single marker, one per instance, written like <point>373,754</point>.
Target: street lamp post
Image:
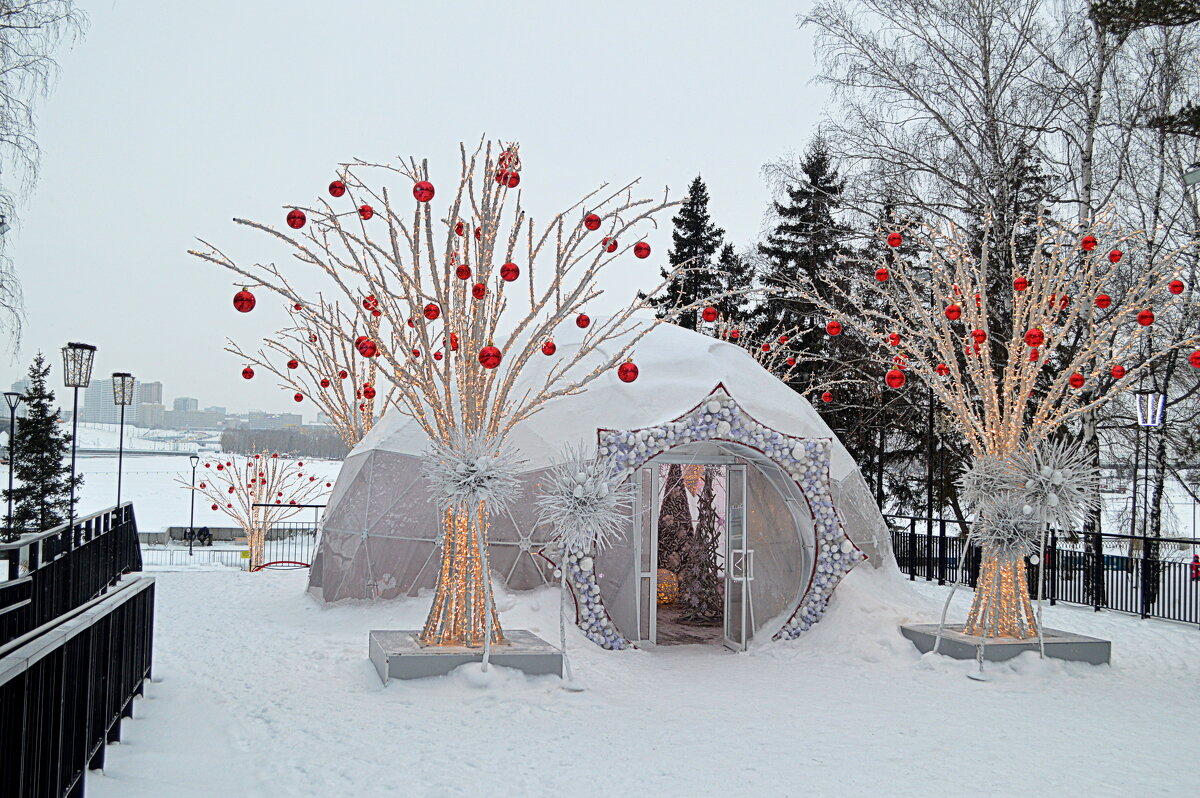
<point>12,399</point>
<point>77,373</point>
<point>191,535</point>
<point>122,385</point>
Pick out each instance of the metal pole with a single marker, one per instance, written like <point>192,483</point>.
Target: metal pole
<point>120,456</point>
<point>12,431</point>
<point>74,444</point>
<point>192,519</point>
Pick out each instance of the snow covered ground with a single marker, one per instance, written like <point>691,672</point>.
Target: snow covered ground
<point>261,691</point>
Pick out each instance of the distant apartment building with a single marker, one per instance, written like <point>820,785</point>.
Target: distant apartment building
<point>146,410</point>
<point>192,419</point>
<point>186,404</point>
<point>259,420</point>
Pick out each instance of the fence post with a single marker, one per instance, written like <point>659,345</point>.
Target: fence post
<point>1097,571</point>
<point>941,557</point>
<point>912,549</point>
<point>1052,567</point>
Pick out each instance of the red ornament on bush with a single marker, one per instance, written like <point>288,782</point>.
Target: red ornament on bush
<point>881,274</point>
<point>325,382</point>
<point>453,342</point>
<point>827,397</point>
<point>627,372</point>
<point>1020,284</point>
<point>1175,286</point>
<point>510,272</point>
<point>591,221</point>
<point>297,306</point>
<point>370,303</point>
<point>1076,380</point>
<point>296,218</point>
<point>709,314</point>
<point>549,348</point>
<point>1035,337</point>
<point>894,339</point>
<point>299,397</point>
<point>641,249</point>
<point>953,312</point>
<point>437,355</point>
<point>735,334</point>
<point>783,339</point>
<point>293,364</point>
<point>244,301</point>
<point>895,379</point>
<point>943,370</point>
<point>247,373</point>
<point>508,178</point>
<point>365,212</point>
<point>609,244</point>
<point>834,328</point>
<point>1145,317</point>
<point>478,233</point>
<point>1088,243</point>
<point>368,349</point>
<point>343,374</point>
<point>423,191</point>
<point>582,321</point>
<point>766,347</point>
<point>791,361</point>
<point>458,228</point>
<point>1103,301</point>
<point>894,239</point>
<point>479,290</point>
<point>1114,256</point>
<point>978,336</point>
<point>416,353</point>
<point>432,311</point>
<point>1194,359</point>
<point>489,357</point>
<point>337,188</point>
<point>1118,372</point>
<point>369,391</point>
<point>463,272</point>
<point>1034,354</point>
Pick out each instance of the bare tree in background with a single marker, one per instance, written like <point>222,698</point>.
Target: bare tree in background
<point>30,32</point>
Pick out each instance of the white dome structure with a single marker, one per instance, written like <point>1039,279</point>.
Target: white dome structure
<point>795,513</point>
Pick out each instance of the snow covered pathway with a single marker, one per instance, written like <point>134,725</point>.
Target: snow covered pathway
<point>260,691</point>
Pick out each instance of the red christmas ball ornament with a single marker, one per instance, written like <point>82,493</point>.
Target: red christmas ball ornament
<point>337,188</point>
<point>489,357</point>
<point>827,397</point>
<point>591,221</point>
<point>453,342</point>
<point>203,486</point>
<point>244,301</point>
<point>791,361</point>
<point>1118,372</point>
<point>1194,359</point>
<point>247,373</point>
<point>894,239</point>
<point>410,324</point>
<point>312,338</point>
<point>479,290</point>
<point>1175,286</point>
<point>423,191</point>
<point>214,506</point>
<point>1034,354</point>
<point>609,244</point>
<point>1145,317</point>
<point>508,178</point>
<point>343,374</point>
<point>1115,256</point>
<point>370,303</point>
<point>894,339</point>
<point>463,272</point>
<point>432,311</point>
<point>376,313</point>
<point>709,314</point>
<point>943,370</point>
<point>220,467</point>
<point>783,339</point>
<point>509,160</point>
<point>416,354</point>
<point>1103,301</point>
<point>549,348</point>
<point>299,397</point>
<point>368,391</point>
<point>953,312</point>
<point>881,274</point>
<point>437,355</point>
<point>766,347</point>
<point>365,212</point>
<point>1075,380</point>
<point>325,382</point>
<point>478,233</point>
<point>582,321</point>
<point>834,328</point>
<point>895,379</point>
<point>368,349</point>
<point>735,334</point>
<point>296,218</point>
<point>1035,337</point>
<point>627,372</point>
<point>641,250</point>
<point>293,364</point>
<point>1088,243</point>
<point>978,336</point>
<point>510,272</point>
<point>297,306</point>
<point>1020,284</point>
<point>459,227</point>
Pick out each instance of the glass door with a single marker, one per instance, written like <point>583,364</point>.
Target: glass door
<point>737,559</point>
<point>645,550</point>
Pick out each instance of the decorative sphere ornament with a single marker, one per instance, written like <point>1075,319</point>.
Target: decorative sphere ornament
<point>668,587</point>
<point>478,233</point>
<point>1115,256</point>
<point>1118,371</point>
<point>510,272</point>
<point>296,218</point>
<point>299,397</point>
<point>791,361</point>
<point>489,357</point>
<point>1103,301</point>
<point>337,188</point>
<point>591,221</point>
<point>293,364</point>
<point>827,397</point>
<point>365,212</point>
<point>641,250</point>
<point>894,239</point>
<point>943,370</point>
<point>881,274</point>
<point>834,328</point>
<point>1175,286</point>
<point>1035,337</point>
<point>247,373</point>
<point>1088,243</point>
<point>244,301</point>
<point>582,321</point>
<point>1027,509</point>
<point>894,339</point>
<point>953,312</point>
<point>432,311</point>
<point>627,371</point>
<point>1145,317</point>
<point>1194,359</point>
<point>766,347</point>
<point>343,374</point>
<point>370,302</point>
<point>895,379</point>
<point>459,228</point>
<point>978,336</point>
<point>709,314</point>
<point>423,191</point>
<point>368,348</point>
<point>1020,284</point>
<point>463,272</point>
<point>325,382</point>
<point>1076,380</point>
<point>609,244</point>
<point>453,342</point>
<point>508,178</point>
<point>437,355</point>
<point>479,290</point>
<point>297,306</point>
<point>368,391</point>
<point>783,339</point>
<point>549,348</point>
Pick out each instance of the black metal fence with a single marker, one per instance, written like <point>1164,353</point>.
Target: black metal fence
<point>1150,577</point>
<point>56,571</point>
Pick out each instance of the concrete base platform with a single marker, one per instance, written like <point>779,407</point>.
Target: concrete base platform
<point>399,655</point>
<point>1060,645</point>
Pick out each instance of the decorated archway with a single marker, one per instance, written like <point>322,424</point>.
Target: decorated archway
<point>803,462</point>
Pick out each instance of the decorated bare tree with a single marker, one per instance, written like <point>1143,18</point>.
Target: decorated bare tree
<point>316,362</point>
<point>464,298</point>
<point>257,492</point>
<point>1074,338</point>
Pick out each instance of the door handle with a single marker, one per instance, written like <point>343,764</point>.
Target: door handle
<point>749,567</point>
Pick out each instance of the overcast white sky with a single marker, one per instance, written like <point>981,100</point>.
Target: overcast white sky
<point>170,118</point>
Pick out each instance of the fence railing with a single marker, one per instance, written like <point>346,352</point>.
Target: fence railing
<point>289,544</point>
<point>52,572</point>
<point>1150,577</point>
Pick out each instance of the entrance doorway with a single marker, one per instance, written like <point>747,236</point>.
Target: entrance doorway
<point>690,543</point>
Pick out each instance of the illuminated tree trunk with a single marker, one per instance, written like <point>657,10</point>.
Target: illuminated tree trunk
<point>1001,608</point>
<point>256,539</point>
<point>457,617</point>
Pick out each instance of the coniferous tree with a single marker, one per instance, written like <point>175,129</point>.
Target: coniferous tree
<point>42,500</point>
<point>693,243</point>
<point>733,274</point>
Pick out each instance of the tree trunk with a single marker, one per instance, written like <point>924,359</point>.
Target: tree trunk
<point>457,617</point>
<point>1001,608</point>
<point>256,539</point>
